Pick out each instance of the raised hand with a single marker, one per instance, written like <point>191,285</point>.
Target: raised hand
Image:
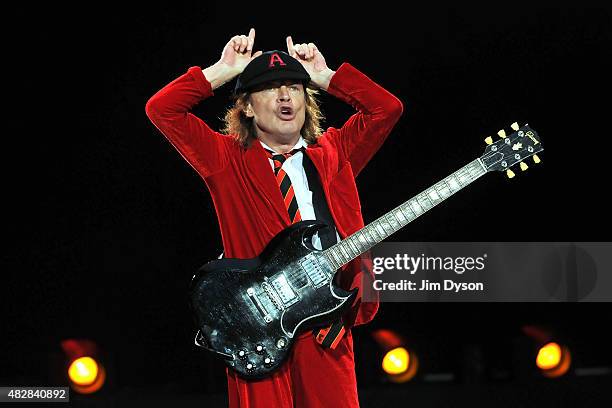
<point>312,60</point>
<point>235,56</point>
<point>237,53</point>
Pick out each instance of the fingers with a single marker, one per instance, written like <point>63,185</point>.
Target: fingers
<point>296,51</point>
<point>242,44</point>
<point>251,40</point>
<point>311,50</point>
<point>303,51</point>
<point>257,54</point>
<point>290,47</point>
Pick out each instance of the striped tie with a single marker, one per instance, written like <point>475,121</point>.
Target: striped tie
<point>329,336</point>
<point>284,182</point>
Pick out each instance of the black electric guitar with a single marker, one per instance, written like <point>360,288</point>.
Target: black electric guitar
<point>249,311</point>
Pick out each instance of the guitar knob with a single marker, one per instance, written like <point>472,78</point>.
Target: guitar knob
<point>242,354</point>
<point>281,343</point>
<point>259,349</point>
<point>250,367</point>
<point>268,361</point>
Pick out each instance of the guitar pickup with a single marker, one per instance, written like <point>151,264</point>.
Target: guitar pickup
<point>314,271</point>
<point>284,290</point>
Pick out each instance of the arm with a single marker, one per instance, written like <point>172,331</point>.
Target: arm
<point>170,108</point>
<point>170,111</point>
<point>364,132</point>
<point>378,110</point>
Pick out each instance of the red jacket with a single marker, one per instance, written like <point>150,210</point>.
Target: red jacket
<point>247,199</point>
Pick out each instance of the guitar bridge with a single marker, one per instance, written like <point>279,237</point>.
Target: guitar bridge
<point>258,305</point>
<point>276,301</point>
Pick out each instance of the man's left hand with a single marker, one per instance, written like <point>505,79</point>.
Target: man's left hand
<point>313,61</point>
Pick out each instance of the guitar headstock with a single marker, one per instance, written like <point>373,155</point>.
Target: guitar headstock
<point>512,149</point>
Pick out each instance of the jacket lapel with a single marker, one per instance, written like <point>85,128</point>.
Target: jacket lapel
<point>316,156</point>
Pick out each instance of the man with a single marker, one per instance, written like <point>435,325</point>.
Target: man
<point>272,129</point>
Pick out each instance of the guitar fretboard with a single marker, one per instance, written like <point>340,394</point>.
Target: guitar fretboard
<point>378,230</point>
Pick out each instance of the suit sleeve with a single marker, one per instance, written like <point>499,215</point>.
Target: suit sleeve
<point>377,112</point>
<point>170,111</point>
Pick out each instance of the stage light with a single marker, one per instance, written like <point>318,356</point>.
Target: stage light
<point>553,360</point>
<point>399,363</point>
<point>396,361</point>
<point>85,371</point>
<point>549,356</point>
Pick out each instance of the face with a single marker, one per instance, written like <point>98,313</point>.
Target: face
<point>278,109</point>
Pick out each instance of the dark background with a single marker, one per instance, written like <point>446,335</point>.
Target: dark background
<point>106,223</point>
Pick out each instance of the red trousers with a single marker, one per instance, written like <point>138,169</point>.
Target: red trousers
<point>311,377</point>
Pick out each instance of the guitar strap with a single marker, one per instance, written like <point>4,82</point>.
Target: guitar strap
<point>327,337</point>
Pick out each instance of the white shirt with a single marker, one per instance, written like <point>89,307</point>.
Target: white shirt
<point>295,170</point>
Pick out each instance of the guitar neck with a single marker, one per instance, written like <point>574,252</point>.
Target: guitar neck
<point>378,230</point>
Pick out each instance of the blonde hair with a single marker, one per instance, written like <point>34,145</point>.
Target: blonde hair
<point>242,127</point>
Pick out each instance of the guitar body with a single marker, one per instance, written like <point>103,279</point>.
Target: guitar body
<point>250,311</point>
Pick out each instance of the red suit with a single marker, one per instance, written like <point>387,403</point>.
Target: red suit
<point>251,211</point>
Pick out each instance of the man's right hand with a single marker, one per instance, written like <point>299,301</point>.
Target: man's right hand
<point>237,52</point>
<point>236,55</point>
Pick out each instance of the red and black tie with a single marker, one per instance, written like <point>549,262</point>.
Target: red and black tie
<point>284,182</point>
<point>330,336</point>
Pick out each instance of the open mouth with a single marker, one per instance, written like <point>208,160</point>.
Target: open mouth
<point>286,113</point>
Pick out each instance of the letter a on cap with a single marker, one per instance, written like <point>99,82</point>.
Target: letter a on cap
<point>275,58</point>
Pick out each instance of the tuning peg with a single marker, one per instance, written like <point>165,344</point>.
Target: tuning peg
<point>515,126</point>
<point>502,133</point>
<point>510,173</point>
<point>489,140</point>
<point>536,159</point>
<point>524,166</point>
